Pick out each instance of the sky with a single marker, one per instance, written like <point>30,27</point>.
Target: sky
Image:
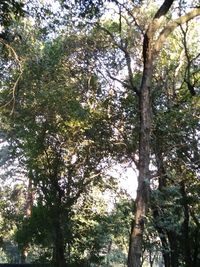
<point>127,177</point>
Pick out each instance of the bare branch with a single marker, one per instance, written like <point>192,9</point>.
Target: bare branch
<point>118,80</point>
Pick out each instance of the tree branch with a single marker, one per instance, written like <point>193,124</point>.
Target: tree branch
<point>130,73</point>
<point>9,47</point>
<point>153,26</point>
<point>163,9</point>
<point>124,84</point>
<point>127,57</point>
<point>173,25</point>
<point>157,20</point>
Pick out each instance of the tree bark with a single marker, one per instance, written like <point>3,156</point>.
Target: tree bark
<point>29,205</point>
<point>135,249</point>
<point>59,250</point>
<point>174,254</point>
<point>59,243</point>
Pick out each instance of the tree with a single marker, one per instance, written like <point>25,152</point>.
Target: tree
<point>80,112</point>
<point>55,128</point>
<point>150,50</point>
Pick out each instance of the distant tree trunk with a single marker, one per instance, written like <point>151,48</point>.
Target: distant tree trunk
<point>59,247</point>
<point>163,238</point>
<point>185,229</point>
<point>162,180</point>
<point>174,254</point>
<point>196,261</point>
<point>29,205</point>
<point>57,219</point>
<point>24,254</point>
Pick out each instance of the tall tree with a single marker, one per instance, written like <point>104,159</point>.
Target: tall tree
<point>154,38</point>
<point>55,127</point>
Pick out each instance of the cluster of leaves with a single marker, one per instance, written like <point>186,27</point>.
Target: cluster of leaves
<point>10,10</point>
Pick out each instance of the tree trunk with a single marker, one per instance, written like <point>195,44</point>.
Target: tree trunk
<point>162,180</point>
<point>195,254</point>
<point>59,247</point>
<point>173,248</point>
<point>59,257</point>
<point>29,205</point>
<point>185,230</point>
<point>135,249</point>
<point>163,238</point>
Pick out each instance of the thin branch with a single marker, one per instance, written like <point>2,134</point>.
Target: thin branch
<point>127,57</point>
<point>9,47</point>
<point>117,80</point>
<point>187,78</point>
<point>112,37</point>
<point>120,24</point>
<point>133,17</point>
